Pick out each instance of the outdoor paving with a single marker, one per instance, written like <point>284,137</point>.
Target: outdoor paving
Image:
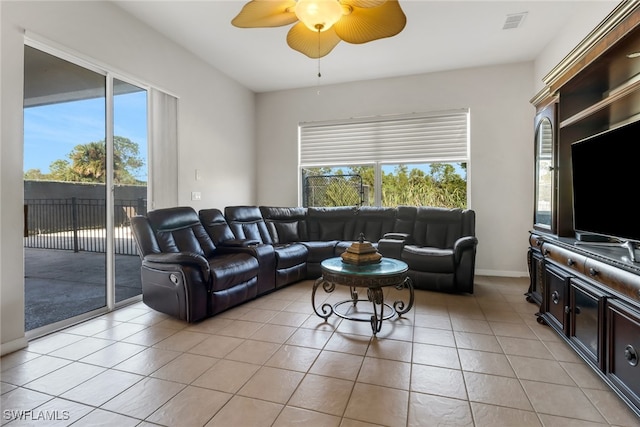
<point>60,284</point>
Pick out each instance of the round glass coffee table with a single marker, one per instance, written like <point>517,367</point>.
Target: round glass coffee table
<point>373,277</point>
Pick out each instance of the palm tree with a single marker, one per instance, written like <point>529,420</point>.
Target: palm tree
<point>88,163</point>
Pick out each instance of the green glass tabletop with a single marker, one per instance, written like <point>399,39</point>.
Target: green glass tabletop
<point>386,266</point>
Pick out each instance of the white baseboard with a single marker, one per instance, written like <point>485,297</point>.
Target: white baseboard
<point>11,346</point>
<point>500,273</point>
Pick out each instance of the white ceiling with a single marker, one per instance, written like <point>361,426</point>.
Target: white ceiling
<point>439,35</point>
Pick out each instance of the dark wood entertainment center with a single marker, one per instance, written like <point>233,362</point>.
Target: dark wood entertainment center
<point>588,293</point>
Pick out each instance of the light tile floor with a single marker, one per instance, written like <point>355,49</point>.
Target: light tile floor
<point>458,360</point>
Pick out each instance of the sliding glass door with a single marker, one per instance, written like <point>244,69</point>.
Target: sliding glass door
<point>129,182</point>
<point>85,162</point>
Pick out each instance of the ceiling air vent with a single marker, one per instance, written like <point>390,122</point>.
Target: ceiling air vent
<point>514,20</point>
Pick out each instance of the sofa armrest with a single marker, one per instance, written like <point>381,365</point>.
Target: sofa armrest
<point>240,243</point>
<point>391,248</point>
<point>463,244</point>
<point>179,258</point>
<point>263,252</point>
<point>405,237</point>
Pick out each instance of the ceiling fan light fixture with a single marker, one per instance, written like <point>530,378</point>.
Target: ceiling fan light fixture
<point>318,15</point>
<point>319,25</point>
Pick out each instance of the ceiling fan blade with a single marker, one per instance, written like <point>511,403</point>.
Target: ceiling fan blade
<point>363,25</point>
<point>266,13</point>
<point>363,3</point>
<point>313,44</point>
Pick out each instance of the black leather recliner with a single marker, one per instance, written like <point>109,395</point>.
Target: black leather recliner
<point>183,273</point>
<point>441,251</point>
<point>218,229</point>
<point>246,222</point>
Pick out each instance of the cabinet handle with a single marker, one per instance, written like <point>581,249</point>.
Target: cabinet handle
<point>567,310</point>
<point>570,262</point>
<point>555,297</point>
<point>593,271</point>
<point>576,310</point>
<point>631,355</point>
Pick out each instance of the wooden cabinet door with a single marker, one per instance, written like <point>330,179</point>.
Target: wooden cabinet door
<point>556,298</point>
<point>623,344</point>
<point>586,320</point>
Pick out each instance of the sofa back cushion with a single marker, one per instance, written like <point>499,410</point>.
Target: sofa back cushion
<point>179,229</point>
<point>373,222</point>
<point>334,223</point>
<point>441,227</point>
<point>286,225</point>
<point>405,219</point>
<point>144,236</point>
<point>216,225</point>
<point>246,222</point>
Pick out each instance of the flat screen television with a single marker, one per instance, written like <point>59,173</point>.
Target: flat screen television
<point>606,174</point>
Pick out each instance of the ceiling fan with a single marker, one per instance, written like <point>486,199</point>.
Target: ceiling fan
<point>322,24</point>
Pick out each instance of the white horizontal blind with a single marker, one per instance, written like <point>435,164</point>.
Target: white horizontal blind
<point>432,137</point>
<point>546,142</point>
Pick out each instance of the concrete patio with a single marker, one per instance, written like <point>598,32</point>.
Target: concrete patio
<point>60,284</point>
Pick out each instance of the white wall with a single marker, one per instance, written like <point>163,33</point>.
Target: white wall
<point>501,164</point>
<point>214,125</point>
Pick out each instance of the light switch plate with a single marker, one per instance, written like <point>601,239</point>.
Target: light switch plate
<point>196,195</point>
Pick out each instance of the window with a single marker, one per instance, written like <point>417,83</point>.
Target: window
<point>417,159</point>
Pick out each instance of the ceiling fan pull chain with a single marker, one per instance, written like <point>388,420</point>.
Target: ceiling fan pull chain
<point>319,73</point>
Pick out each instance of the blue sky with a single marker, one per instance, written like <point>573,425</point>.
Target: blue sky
<point>51,131</point>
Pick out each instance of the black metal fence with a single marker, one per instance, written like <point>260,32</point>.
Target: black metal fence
<point>79,224</point>
<point>333,190</point>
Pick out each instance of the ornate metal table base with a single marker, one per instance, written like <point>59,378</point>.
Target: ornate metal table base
<point>375,284</point>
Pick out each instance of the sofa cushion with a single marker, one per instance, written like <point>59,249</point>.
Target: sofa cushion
<point>229,270</point>
<point>246,222</point>
<point>433,260</point>
<point>333,230</point>
<point>216,225</point>
<point>334,223</point>
<point>287,232</point>
<point>405,219</point>
<point>179,229</point>
<point>438,227</point>
<point>373,222</point>
<point>290,255</point>
<point>286,224</point>
<point>319,251</point>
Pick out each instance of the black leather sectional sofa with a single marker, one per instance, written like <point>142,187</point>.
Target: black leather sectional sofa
<point>198,264</point>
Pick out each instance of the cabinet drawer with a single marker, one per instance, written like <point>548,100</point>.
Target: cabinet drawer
<point>624,349</point>
<point>621,281</point>
<point>564,257</point>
